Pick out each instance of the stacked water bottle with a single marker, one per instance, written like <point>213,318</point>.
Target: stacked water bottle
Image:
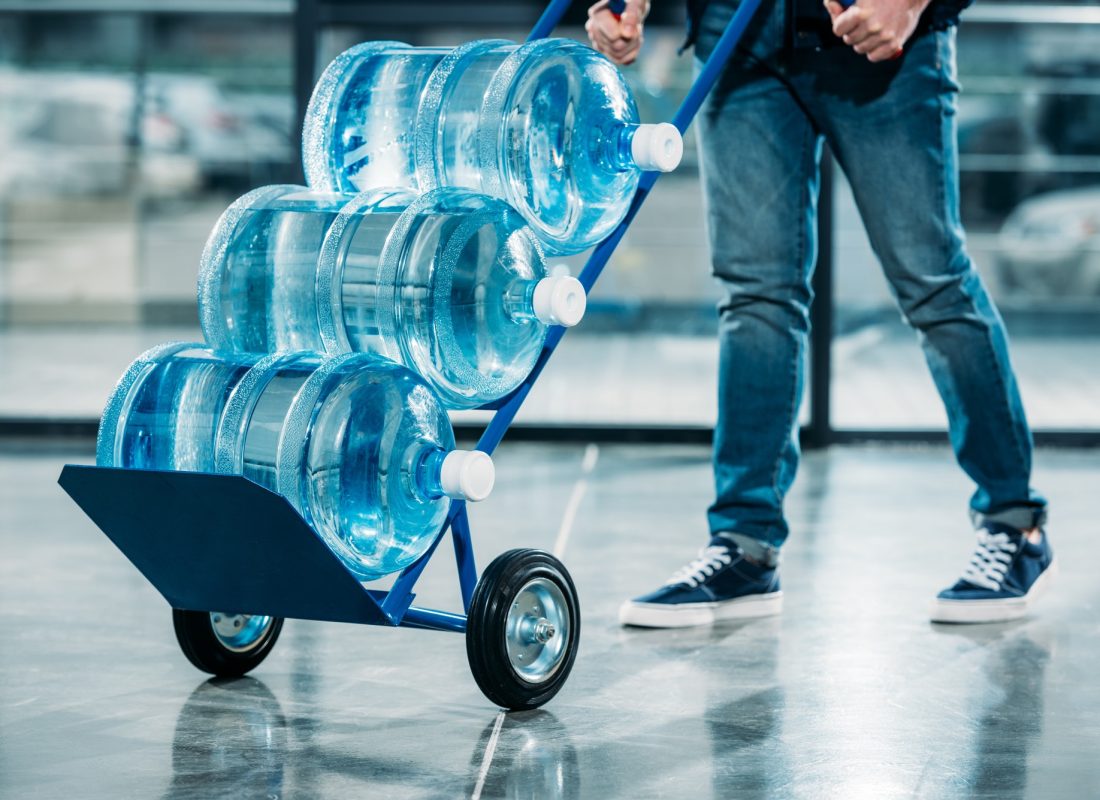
<point>344,319</point>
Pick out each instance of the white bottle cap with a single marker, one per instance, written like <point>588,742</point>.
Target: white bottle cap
<point>467,475</point>
<point>657,147</point>
<point>559,300</point>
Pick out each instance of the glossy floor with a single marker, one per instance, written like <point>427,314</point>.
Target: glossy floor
<point>850,694</point>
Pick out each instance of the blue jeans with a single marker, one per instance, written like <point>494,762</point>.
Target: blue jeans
<point>892,129</point>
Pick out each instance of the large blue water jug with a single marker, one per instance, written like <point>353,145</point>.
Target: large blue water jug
<point>451,284</point>
<point>549,126</point>
<point>358,445</point>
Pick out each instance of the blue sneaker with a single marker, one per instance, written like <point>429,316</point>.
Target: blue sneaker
<point>1004,576</point>
<point>720,584</point>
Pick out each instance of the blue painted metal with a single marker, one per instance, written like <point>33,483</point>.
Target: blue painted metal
<point>549,20</point>
<point>464,556</point>
<point>401,592</point>
<point>220,543</point>
<point>708,75</point>
<point>434,620</point>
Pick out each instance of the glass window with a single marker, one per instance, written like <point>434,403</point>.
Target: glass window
<point>125,138</point>
<point>1029,138</point>
<point>127,134</point>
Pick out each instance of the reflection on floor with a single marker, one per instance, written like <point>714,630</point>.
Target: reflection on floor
<point>880,380</point>
<point>850,694</point>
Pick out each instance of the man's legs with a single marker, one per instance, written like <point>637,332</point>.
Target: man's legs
<point>892,127</point>
<point>760,174</point>
<point>900,154</point>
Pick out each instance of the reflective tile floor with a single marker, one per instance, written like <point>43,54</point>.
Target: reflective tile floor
<point>850,694</point>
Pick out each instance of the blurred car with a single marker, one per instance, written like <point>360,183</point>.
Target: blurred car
<point>77,133</point>
<point>1050,245</point>
<point>237,142</point>
<point>996,136</point>
<point>56,139</point>
<point>72,134</point>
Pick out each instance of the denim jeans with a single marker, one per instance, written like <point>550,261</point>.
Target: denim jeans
<point>892,129</point>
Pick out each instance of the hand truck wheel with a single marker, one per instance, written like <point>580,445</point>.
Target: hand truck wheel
<point>226,645</point>
<point>522,629</point>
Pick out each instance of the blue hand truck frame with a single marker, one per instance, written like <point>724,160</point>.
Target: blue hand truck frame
<point>224,542</point>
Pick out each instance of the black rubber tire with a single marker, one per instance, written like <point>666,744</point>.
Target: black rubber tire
<point>197,640</point>
<point>486,623</point>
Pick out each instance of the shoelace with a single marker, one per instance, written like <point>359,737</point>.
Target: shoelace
<point>710,560</point>
<point>990,561</point>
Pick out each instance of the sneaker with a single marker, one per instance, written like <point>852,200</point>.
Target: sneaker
<point>1004,576</point>
<point>720,584</point>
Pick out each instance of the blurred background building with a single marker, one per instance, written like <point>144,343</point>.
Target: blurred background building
<point>127,127</point>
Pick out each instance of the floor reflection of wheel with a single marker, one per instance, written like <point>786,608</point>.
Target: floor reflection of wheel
<point>231,741</point>
<point>535,757</point>
<point>226,645</point>
<point>522,629</point>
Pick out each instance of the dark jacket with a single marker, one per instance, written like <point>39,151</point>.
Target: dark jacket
<point>811,16</point>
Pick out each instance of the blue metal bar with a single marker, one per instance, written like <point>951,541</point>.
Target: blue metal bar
<point>400,594</point>
<point>549,19</point>
<point>434,620</point>
<point>464,555</point>
<point>713,67</point>
<point>708,76</point>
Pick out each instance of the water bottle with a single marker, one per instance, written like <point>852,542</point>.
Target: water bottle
<point>357,444</point>
<point>451,284</point>
<point>549,126</point>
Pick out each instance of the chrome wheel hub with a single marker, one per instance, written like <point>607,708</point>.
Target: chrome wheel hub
<point>537,631</point>
<point>239,632</point>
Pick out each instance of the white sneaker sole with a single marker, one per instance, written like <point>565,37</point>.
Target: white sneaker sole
<point>1004,610</point>
<point>687,615</point>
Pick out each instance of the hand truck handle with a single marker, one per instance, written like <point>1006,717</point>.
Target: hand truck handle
<point>617,7</point>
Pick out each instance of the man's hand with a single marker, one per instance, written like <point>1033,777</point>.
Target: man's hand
<point>877,29</point>
<point>618,39</point>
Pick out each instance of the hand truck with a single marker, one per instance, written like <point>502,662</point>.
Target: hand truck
<point>191,534</point>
